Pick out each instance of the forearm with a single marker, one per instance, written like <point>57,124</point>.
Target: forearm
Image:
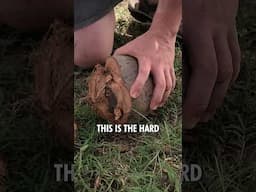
<point>167,18</point>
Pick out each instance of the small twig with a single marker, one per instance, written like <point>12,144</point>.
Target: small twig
<point>140,114</point>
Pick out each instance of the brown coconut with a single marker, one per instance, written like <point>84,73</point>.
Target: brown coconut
<point>108,90</point>
<point>129,70</point>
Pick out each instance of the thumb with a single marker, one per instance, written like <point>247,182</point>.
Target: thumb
<point>142,76</point>
<point>124,50</point>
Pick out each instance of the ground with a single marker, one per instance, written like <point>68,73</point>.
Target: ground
<point>129,163</point>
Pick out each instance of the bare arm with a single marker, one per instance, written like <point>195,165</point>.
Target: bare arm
<point>167,18</point>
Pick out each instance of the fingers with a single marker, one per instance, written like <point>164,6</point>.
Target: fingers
<point>202,80</point>
<point>224,77</point>
<point>162,72</point>
<point>173,77</point>
<point>228,55</point>
<point>169,86</point>
<point>159,90</point>
<point>235,53</point>
<point>143,74</point>
<point>143,70</point>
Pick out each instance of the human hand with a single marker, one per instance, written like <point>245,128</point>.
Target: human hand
<point>213,56</point>
<point>155,55</point>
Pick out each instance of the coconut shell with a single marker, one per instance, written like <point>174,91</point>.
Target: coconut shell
<point>129,70</point>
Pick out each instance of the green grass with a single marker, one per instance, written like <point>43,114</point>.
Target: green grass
<point>128,162</point>
<point>227,144</point>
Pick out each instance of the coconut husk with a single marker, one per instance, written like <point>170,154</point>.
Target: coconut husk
<point>108,91</point>
<point>53,67</point>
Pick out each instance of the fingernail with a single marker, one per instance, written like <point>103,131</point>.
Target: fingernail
<point>134,95</point>
<point>153,107</point>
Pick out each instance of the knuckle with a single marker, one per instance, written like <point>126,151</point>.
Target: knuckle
<point>168,86</point>
<point>209,70</point>
<point>143,60</point>
<point>158,100</point>
<point>225,73</point>
<point>143,70</point>
<point>161,85</point>
<point>138,85</point>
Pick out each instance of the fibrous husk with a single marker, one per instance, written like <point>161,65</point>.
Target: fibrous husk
<point>108,94</point>
<point>108,90</point>
<point>53,65</point>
